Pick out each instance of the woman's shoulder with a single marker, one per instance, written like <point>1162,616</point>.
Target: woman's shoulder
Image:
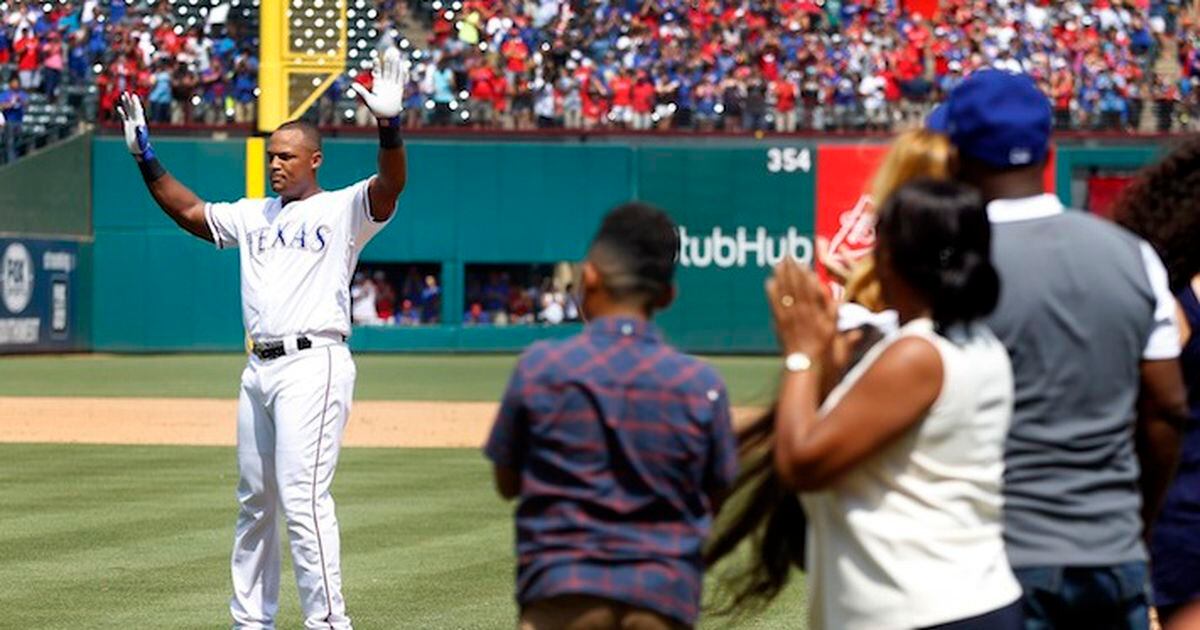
<point>972,347</point>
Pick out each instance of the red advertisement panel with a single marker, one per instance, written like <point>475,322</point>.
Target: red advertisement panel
<point>1102,192</point>
<point>845,217</point>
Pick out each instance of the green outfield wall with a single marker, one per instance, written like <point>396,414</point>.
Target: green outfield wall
<point>741,205</point>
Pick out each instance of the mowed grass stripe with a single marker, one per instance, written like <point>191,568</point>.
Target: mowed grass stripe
<point>454,378</point>
<point>426,544</point>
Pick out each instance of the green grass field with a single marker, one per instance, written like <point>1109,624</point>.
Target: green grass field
<point>380,376</point>
<point>139,537</point>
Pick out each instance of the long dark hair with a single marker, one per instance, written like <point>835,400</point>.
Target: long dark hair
<point>767,512</point>
<point>764,510</point>
<point>1162,207</point>
<point>938,240</point>
<point>937,237</point>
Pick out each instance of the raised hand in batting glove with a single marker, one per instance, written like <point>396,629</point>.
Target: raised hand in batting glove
<point>386,98</point>
<point>133,119</point>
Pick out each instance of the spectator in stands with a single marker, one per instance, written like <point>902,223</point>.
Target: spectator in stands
<point>594,94</point>
<point>5,45</point>
<point>1062,93</point>
<point>754,115</point>
<point>495,292</point>
<point>431,301</point>
<point>643,99</point>
<point>412,286</point>
<point>520,306</point>
<point>27,49</point>
<point>385,297</point>
<point>708,104</point>
<point>439,85</point>
<point>476,315</point>
<point>572,99</point>
<point>552,312</point>
<point>545,104</point>
<point>78,68</point>
<point>621,87</point>
<point>245,86</point>
<point>501,94</point>
<point>184,84</point>
<point>783,98</point>
<point>414,101</point>
<point>12,103</point>
<point>362,299</point>
<point>571,306</point>
<point>160,93</point>
<point>480,83</point>
<point>53,62</point>
<point>522,102</point>
<point>408,316</point>
<point>733,103</point>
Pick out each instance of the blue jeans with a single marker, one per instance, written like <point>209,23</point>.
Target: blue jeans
<point>1096,598</point>
<point>1007,618</point>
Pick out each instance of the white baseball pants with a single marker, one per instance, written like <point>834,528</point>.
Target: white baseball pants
<point>291,414</point>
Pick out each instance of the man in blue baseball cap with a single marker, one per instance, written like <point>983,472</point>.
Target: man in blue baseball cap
<point>1089,321</point>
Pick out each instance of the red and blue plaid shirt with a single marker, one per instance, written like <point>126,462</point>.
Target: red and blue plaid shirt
<point>621,443</point>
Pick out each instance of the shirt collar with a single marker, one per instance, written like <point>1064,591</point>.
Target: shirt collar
<point>623,327</point>
<point>1025,209</point>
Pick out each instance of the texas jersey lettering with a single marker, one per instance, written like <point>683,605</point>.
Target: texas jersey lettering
<point>297,260</point>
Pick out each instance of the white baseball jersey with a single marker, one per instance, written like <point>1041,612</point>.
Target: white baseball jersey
<point>296,260</point>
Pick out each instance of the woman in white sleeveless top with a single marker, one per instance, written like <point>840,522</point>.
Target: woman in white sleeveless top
<point>900,467</point>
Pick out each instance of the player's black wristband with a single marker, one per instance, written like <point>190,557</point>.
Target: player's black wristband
<point>151,169</point>
<point>389,133</point>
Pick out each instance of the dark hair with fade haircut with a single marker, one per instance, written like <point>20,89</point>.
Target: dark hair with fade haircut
<point>939,240</point>
<point>635,249</point>
<point>310,131</point>
<point>1162,206</point>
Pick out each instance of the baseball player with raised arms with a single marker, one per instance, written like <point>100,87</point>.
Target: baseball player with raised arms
<point>297,253</point>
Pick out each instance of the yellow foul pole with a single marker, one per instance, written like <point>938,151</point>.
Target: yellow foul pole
<point>303,46</point>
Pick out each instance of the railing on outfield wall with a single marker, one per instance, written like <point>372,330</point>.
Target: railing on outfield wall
<point>466,134</point>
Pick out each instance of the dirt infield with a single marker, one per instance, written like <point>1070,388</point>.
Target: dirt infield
<point>195,421</point>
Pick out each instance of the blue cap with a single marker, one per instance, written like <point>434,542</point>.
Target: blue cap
<point>937,120</point>
<point>997,117</point>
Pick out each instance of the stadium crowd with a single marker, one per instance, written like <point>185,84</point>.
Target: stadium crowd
<point>498,296</point>
<point>375,300</point>
<point>639,64</point>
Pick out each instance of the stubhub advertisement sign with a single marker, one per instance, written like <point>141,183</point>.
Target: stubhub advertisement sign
<point>38,285</point>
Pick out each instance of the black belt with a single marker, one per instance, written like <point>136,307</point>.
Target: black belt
<point>267,350</point>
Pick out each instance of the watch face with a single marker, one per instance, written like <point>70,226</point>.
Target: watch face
<point>797,362</point>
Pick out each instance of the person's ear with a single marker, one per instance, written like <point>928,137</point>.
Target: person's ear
<point>666,298</point>
<point>590,276</point>
<point>317,159</point>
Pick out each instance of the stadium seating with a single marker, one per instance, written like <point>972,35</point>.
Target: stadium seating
<point>713,65</point>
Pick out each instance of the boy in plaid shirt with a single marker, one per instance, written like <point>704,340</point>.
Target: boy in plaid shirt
<point>618,447</point>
